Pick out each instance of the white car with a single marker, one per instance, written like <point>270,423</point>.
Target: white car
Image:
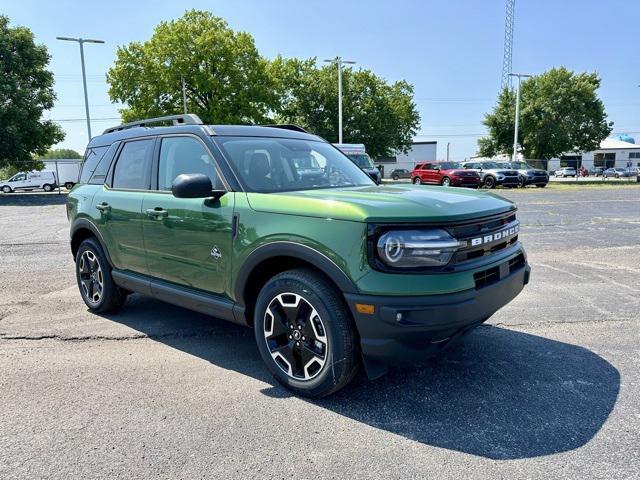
<point>566,172</point>
<point>44,180</point>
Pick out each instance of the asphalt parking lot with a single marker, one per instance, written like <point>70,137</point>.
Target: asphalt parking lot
<point>548,388</point>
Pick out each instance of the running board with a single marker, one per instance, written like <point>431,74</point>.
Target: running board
<point>178,295</point>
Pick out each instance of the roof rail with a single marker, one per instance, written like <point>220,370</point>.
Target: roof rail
<point>184,119</point>
<point>287,126</point>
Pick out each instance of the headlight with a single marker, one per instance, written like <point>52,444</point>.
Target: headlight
<point>416,248</point>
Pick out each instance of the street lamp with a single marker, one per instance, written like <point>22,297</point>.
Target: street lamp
<point>515,133</point>
<point>82,41</point>
<point>339,62</point>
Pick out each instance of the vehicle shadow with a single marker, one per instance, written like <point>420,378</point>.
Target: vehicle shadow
<point>499,394</point>
<point>32,199</point>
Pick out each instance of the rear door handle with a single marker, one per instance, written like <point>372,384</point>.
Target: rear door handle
<point>157,212</point>
<point>103,207</point>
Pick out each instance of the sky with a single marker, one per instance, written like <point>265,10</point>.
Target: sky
<point>450,50</point>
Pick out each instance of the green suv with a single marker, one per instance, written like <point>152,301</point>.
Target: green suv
<point>275,229</point>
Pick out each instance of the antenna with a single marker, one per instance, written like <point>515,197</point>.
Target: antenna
<point>507,58</point>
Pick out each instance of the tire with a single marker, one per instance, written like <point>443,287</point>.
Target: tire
<point>522,182</point>
<point>446,182</point>
<point>395,177</point>
<point>417,181</point>
<point>47,188</point>
<point>332,361</point>
<point>93,274</point>
<point>490,182</point>
<point>7,189</point>
<point>69,185</point>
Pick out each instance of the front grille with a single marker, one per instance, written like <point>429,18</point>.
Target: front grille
<point>466,234</point>
<point>492,275</point>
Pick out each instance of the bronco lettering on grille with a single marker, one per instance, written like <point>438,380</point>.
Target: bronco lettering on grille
<point>493,237</point>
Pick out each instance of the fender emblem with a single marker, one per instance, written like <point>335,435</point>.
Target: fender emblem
<point>215,252</point>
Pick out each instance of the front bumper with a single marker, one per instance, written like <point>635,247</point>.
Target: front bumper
<point>473,182</point>
<point>510,180</point>
<point>406,330</point>
<point>536,180</point>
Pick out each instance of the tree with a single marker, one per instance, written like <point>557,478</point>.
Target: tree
<point>26,91</point>
<point>56,153</point>
<point>559,112</point>
<point>382,116</point>
<point>226,79</point>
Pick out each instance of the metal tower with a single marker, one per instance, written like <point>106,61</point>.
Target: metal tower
<point>508,44</point>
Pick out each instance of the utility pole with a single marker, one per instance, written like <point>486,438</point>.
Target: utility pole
<point>517,122</point>
<point>81,42</point>
<point>339,62</point>
<point>184,96</point>
<point>448,143</point>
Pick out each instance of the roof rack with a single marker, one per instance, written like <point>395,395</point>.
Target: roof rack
<point>184,119</point>
<point>287,126</point>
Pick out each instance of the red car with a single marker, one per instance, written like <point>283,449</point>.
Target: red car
<point>445,174</point>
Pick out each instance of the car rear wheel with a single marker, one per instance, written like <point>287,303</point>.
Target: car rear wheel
<point>6,189</point>
<point>522,182</point>
<point>490,182</point>
<point>69,185</point>
<point>416,181</point>
<point>446,182</point>
<point>47,188</point>
<point>305,333</point>
<point>93,274</point>
<point>395,177</point>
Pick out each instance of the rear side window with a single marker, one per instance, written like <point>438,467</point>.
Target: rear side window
<point>91,159</point>
<point>180,155</point>
<point>132,170</point>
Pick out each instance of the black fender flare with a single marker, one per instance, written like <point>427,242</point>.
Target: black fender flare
<point>295,250</point>
<point>85,224</point>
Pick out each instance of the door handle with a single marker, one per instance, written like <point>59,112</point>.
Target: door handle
<point>157,212</point>
<point>103,207</point>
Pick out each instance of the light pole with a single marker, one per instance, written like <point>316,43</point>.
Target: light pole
<point>81,42</point>
<point>339,62</point>
<point>515,133</point>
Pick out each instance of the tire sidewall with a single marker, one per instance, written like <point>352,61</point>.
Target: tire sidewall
<point>446,182</point>
<point>6,189</point>
<point>336,348</point>
<point>47,187</point>
<point>109,288</point>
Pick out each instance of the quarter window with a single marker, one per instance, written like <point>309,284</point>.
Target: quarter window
<point>180,155</point>
<point>91,159</point>
<point>133,166</point>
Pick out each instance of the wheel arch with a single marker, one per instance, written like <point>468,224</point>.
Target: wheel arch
<point>273,258</point>
<point>82,229</point>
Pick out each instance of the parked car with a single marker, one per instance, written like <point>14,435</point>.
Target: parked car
<point>358,155</point>
<point>492,174</point>
<point>446,174</point>
<point>331,272</point>
<point>596,171</point>
<point>528,175</point>
<point>616,172</point>
<point>400,173</point>
<point>27,181</point>
<point>566,172</point>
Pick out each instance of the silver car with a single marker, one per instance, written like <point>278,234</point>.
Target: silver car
<point>566,172</point>
<point>529,175</point>
<point>494,174</point>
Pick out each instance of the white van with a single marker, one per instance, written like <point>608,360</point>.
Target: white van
<point>29,181</point>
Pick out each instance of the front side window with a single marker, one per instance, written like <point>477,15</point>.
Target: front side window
<point>18,178</point>
<point>449,165</point>
<point>180,155</point>
<point>283,164</point>
<point>361,159</point>
<point>132,170</point>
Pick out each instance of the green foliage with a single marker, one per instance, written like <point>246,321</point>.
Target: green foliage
<point>226,79</point>
<point>26,91</point>
<point>56,153</point>
<point>559,112</point>
<point>382,116</point>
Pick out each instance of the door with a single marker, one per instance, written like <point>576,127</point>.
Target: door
<point>427,173</point>
<point>17,181</point>
<point>118,205</point>
<point>188,240</point>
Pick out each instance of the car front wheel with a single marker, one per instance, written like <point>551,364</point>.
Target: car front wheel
<point>489,182</point>
<point>305,333</point>
<point>446,182</point>
<point>6,189</point>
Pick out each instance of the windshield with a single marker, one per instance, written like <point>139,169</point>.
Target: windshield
<point>284,165</point>
<point>449,165</point>
<point>361,159</point>
<point>490,165</point>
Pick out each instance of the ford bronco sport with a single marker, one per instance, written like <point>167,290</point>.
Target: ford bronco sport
<point>274,228</point>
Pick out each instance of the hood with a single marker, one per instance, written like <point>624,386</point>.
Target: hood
<point>389,203</point>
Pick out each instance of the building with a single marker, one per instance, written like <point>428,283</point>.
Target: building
<point>612,153</point>
<point>421,151</point>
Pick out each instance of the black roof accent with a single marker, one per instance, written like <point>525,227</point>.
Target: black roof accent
<point>185,119</point>
<point>287,126</point>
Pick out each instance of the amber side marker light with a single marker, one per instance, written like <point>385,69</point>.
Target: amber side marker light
<point>365,308</point>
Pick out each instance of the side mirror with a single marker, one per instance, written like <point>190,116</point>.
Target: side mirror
<point>194,185</point>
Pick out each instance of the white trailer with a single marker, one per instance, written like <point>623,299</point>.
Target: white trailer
<point>67,171</point>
